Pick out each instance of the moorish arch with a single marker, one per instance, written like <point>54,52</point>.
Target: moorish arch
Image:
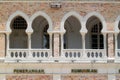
<point>96,29</point>
<point>117,23</point>
<point>72,34</point>
<point>99,16</point>
<point>20,30</point>
<point>43,14</point>
<point>117,37</point>
<point>41,25</point>
<point>71,25</point>
<point>12,16</point>
<point>17,25</point>
<point>67,15</point>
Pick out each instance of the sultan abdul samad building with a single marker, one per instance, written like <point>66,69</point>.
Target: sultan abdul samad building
<point>59,40</point>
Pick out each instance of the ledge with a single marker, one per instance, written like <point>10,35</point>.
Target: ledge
<point>2,31</point>
<point>80,1</point>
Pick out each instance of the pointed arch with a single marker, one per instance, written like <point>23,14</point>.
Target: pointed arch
<point>117,32</point>
<point>43,14</point>
<point>17,13</point>
<point>116,28</point>
<point>66,16</point>
<point>99,16</point>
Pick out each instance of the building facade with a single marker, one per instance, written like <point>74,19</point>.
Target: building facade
<point>59,40</point>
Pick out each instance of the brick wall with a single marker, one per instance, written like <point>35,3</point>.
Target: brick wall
<point>85,77</point>
<point>28,77</point>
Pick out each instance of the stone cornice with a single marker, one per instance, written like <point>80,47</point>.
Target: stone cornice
<point>80,1</point>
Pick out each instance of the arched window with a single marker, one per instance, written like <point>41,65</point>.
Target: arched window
<point>40,37</point>
<point>19,23</point>
<point>46,37</point>
<point>118,37</point>
<point>94,37</point>
<point>18,37</point>
<point>72,37</point>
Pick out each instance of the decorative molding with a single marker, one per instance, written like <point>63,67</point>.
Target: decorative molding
<point>15,14</point>
<point>116,26</point>
<point>99,16</point>
<point>43,14</point>
<point>66,16</point>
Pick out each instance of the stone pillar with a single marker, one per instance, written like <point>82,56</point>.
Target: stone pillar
<point>104,34</point>
<point>83,42</point>
<point>110,45</point>
<point>50,41</point>
<point>56,77</point>
<point>116,44</point>
<point>62,42</point>
<point>29,43</point>
<point>104,40</point>
<point>56,44</point>
<point>8,44</point>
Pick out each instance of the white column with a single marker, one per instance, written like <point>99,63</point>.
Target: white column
<point>83,44</point>
<point>83,40</point>
<point>62,42</point>
<point>29,44</point>
<point>104,37</point>
<point>50,43</point>
<point>116,44</point>
<point>8,45</point>
<point>29,41</point>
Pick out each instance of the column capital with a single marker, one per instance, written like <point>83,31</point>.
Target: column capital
<point>29,33</point>
<point>83,33</point>
<point>50,32</point>
<point>56,32</point>
<point>7,33</point>
<point>104,32</point>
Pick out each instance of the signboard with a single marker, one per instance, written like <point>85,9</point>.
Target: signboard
<point>26,71</point>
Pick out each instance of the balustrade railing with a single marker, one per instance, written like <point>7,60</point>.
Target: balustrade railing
<point>72,54</point>
<point>28,55</point>
<point>41,54</point>
<point>18,54</point>
<point>96,54</point>
<point>85,55</point>
<point>67,55</point>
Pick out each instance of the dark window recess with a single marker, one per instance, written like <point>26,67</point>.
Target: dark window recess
<point>46,37</point>
<point>19,23</point>
<point>97,37</point>
<point>65,41</point>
